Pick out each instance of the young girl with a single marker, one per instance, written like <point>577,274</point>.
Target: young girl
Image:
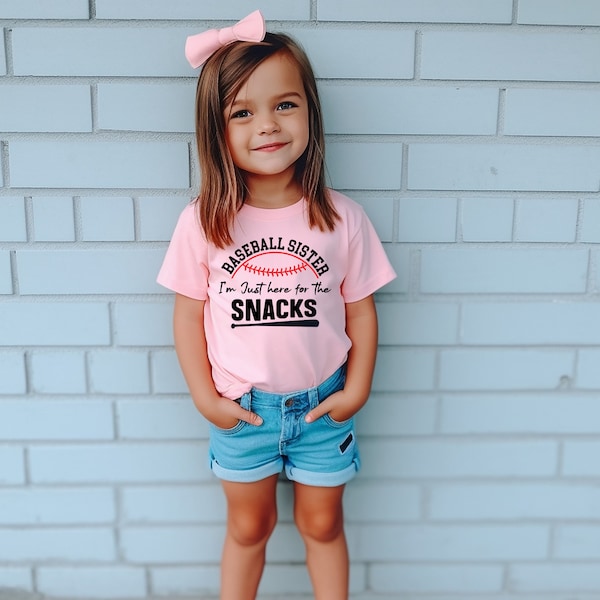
<point>275,324</point>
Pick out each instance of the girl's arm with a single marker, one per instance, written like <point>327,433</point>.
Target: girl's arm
<point>190,345</point>
<point>361,327</point>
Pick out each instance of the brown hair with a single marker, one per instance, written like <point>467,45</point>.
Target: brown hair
<point>222,188</point>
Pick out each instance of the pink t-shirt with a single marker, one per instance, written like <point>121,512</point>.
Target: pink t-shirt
<point>274,313</point>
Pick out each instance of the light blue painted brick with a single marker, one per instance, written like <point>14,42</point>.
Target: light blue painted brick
<point>588,374</point>
<point>54,324</point>
<point>147,107</point>
<point>560,413</point>
<point>577,542</point>
<point>89,271</point>
<point>16,578</point>
<point>531,323</point>
<point>158,216</point>
<point>13,227</point>
<point>280,579</point>
<point>34,9</point>
<point>12,374</point>
<point>440,459</point>
<point>166,374</point>
<point>473,543</point>
<point>77,164</point>
<point>107,219</point>
<point>370,502</point>
<point>174,581</point>
<point>502,167</point>
<point>53,219</point>
<point>286,545</point>
<point>417,323</point>
<point>143,324</point>
<point>190,9</point>
<point>486,219</point>
<point>427,220</point>
<point>6,284</point>
<point>554,578</point>
<point>510,501</point>
<point>404,370</point>
<point>589,228</point>
<point>507,271</point>
<point>57,544</point>
<point>405,11</point>
<point>57,506</point>
<point>2,72</point>
<point>58,372</point>
<point>119,372</point>
<point>123,463</point>
<point>52,108</point>
<point>160,419</point>
<point>556,12</point>
<point>552,112</point>
<point>375,166</point>
<point>504,369</point>
<point>523,56</point>
<point>92,582</point>
<point>409,110</point>
<point>579,459</point>
<point>400,258</point>
<point>56,420</point>
<point>422,579</point>
<point>381,214</point>
<point>12,465</point>
<point>546,220</point>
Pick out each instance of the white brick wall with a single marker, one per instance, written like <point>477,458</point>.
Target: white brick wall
<point>468,129</point>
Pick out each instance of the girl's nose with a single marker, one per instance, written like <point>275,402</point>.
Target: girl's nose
<point>268,125</point>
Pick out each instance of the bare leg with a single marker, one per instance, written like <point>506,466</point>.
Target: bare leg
<point>320,521</point>
<point>251,518</point>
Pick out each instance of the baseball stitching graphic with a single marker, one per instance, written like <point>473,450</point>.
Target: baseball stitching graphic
<point>286,264</point>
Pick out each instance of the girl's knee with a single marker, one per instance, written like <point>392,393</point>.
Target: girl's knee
<point>321,526</point>
<point>249,529</point>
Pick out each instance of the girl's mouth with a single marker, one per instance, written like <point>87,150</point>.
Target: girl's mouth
<point>271,147</point>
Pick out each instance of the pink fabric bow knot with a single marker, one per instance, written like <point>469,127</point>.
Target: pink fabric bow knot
<point>199,47</point>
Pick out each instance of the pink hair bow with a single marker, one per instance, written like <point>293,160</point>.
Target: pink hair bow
<point>199,47</point>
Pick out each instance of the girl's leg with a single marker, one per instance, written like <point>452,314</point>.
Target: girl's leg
<point>319,517</point>
<point>251,518</point>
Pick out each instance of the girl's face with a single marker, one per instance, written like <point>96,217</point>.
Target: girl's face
<point>266,125</point>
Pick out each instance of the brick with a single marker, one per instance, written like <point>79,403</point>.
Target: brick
<point>2,72</point>
<point>589,228</point>
<point>57,544</point>
<point>33,9</point>
<point>107,219</point>
<point>181,581</point>
<point>425,459</point>
<point>519,56</point>
<point>195,504</point>
<point>578,459</point>
<point>160,419</point>
<point>417,323</point>
<point>381,214</point>
<point>521,369</point>
<point>285,545</point>
<point>166,374</point>
<point>486,219</point>
<point>394,578</point>
<point>555,578</point>
<point>16,578</point>
<point>147,107</point>
<point>588,376</point>
<point>143,324</point>
<point>566,112</point>
<point>408,110</point>
<point>55,420</point>
<point>560,413</point>
<point>404,370</point>
<point>54,324</point>
<point>48,108</point>
<point>57,506</point>
<point>60,372</point>
<point>577,542</point>
<point>427,220</point>
<point>546,220</point>
<point>6,284</point>
<point>123,463</point>
<point>400,257</point>
<point>158,216</point>
<point>13,227</point>
<point>127,271</point>
<point>404,11</point>
<point>555,12</point>
<point>503,270</point>
<point>119,372</point>
<point>12,374</point>
<point>78,164</point>
<point>12,465</point>
<point>346,161</point>
<point>473,543</point>
<point>530,323</point>
<point>502,167</point>
<point>376,502</point>
<point>92,582</point>
<point>510,501</point>
<point>53,219</point>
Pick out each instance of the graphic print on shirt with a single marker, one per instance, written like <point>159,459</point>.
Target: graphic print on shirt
<point>274,282</point>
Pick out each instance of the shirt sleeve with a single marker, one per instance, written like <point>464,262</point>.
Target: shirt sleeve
<point>185,266</point>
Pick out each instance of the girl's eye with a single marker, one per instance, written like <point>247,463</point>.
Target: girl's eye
<point>240,114</point>
<point>286,105</point>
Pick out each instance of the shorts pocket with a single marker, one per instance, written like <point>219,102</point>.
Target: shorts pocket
<point>245,402</point>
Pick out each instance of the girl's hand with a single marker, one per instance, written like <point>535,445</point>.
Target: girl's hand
<point>225,414</point>
<point>340,406</point>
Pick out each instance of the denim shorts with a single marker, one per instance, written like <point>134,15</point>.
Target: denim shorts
<point>323,453</point>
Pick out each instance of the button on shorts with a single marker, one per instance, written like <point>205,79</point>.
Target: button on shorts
<point>322,453</point>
